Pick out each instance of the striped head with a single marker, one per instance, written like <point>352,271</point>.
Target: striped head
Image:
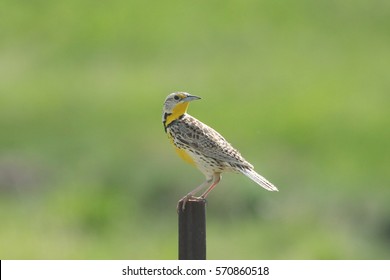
<point>176,105</point>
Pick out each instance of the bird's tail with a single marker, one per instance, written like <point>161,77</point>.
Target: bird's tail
<point>254,176</point>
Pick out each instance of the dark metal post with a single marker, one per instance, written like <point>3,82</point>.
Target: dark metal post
<point>192,230</point>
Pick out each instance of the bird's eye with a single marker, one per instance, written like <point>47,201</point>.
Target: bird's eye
<point>176,97</point>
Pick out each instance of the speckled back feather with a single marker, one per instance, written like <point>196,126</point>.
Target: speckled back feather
<point>188,132</point>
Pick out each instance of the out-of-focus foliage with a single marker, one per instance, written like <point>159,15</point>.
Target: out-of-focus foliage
<point>301,88</point>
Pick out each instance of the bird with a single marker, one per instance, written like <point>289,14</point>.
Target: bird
<point>203,147</point>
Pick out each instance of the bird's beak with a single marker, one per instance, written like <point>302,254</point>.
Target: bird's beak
<point>190,98</point>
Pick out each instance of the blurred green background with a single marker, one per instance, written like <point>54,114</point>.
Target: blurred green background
<point>301,88</point>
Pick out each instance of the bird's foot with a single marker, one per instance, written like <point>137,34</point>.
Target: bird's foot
<point>181,205</point>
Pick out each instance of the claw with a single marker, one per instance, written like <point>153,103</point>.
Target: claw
<point>188,197</point>
<point>183,200</point>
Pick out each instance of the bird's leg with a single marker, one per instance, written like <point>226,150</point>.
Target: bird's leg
<point>191,194</point>
<point>217,178</point>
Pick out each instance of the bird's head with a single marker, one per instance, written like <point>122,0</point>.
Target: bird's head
<point>175,105</point>
<point>178,101</point>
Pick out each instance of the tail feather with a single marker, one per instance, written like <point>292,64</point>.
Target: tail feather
<point>254,176</point>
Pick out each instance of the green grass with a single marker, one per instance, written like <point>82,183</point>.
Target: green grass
<point>300,88</point>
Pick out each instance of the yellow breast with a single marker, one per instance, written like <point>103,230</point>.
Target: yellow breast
<point>182,153</point>
<point>185,156</point>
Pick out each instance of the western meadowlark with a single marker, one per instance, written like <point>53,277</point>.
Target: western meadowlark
<point>203,147</point>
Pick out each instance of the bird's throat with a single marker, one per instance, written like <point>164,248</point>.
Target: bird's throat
<point>179,110</point>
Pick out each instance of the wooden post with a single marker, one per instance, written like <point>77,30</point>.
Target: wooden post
<point>192,230</point>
